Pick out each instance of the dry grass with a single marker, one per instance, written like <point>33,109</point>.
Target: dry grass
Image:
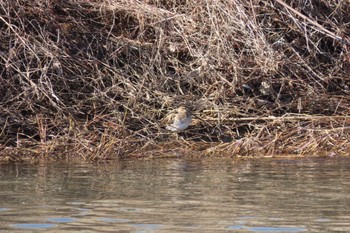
<point>91,79</point>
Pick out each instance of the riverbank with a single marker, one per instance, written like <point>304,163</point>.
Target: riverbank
<point>92,80</point>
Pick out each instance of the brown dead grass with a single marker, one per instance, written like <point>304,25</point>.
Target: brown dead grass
<point>91,79</point>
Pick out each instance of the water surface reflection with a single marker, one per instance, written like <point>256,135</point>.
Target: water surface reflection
<point>183,195</point>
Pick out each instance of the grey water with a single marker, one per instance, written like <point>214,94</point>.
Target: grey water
<point>177,195</point>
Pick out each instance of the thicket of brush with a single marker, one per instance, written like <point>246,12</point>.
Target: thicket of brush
<point>92,79</point>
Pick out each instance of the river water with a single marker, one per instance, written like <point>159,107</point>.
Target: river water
<point>178,195</point>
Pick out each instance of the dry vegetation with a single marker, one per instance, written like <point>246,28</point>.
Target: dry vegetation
<point>91,79</point>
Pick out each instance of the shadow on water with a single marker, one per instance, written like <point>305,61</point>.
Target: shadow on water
<point>206,195</point>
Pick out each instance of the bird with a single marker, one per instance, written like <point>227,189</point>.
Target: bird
<point>178,120</point>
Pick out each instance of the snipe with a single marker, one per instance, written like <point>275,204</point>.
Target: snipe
<point>178,120</point>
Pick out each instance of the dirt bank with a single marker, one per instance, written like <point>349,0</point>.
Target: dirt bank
<point>93,79</point>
